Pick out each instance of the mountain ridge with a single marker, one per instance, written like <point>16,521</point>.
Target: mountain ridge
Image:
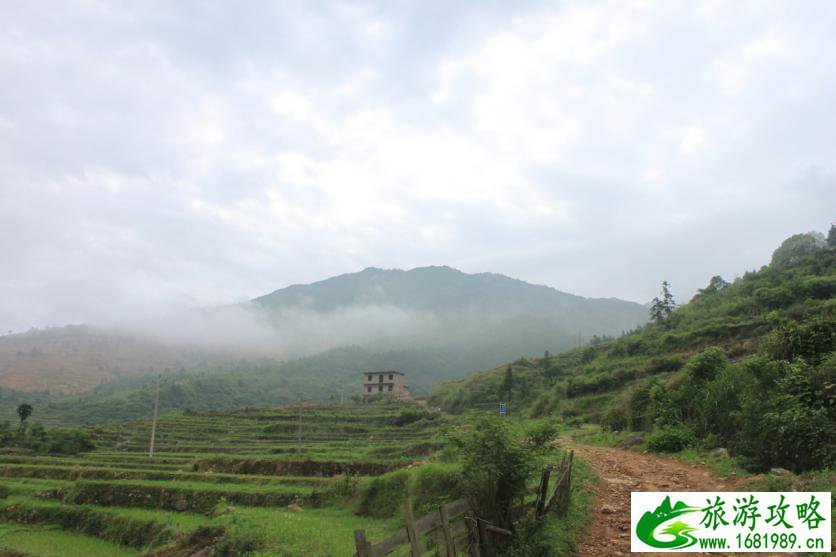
<point>476,319</point>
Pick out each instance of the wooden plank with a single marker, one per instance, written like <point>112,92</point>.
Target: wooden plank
<point>485,540</point>
<point>543,491</point>
<point>471,521</point>
<point>448,533</point>
<point>360,544</point>
<point>414,539</point>
<point>498,530</point>
<point>390,544</point>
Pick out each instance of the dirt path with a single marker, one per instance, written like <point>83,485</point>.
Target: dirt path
<point>622,471</point>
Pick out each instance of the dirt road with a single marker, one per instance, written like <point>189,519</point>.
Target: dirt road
<point>623,471</point>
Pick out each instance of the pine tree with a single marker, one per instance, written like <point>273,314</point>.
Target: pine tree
<point>662,308</point>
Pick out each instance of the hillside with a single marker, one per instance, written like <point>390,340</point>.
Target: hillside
<point>435,323</point>
<point>77,358</point>
<point>746,365</point>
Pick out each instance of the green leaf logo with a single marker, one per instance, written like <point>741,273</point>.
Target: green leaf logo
<point>680,531</point>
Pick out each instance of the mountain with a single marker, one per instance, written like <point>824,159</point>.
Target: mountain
<point>487,316</point>
<point>747,365</point>
<point>311,341</point>
<point>447,291</point>
<point>477,320</point>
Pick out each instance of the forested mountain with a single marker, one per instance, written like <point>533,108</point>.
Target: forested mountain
<point>433,323</point>
<point>747,365</point>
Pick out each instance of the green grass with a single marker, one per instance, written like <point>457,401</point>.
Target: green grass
<point>53,542</point>
<point>311,532</point>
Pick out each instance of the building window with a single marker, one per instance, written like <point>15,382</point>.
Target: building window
<point>390,377</point>
<point>370,378</point>
<point>390,387</point>
<point>380,378</point>
<point>370,388</point>
<point>380,388</point>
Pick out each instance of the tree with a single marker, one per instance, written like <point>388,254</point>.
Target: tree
<point>24,411</point>
<point>507,382</point>
<point>796,247</point>
<point>831,239</point>
<point>716,284</point>
<point>662,308</point>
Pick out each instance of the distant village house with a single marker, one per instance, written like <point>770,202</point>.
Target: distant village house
<point>385,383</point>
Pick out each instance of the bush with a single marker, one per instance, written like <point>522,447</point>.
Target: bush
<point>615,419</point>
<point>671,438</point>
<point>69,441</point>
<point>435,484</point>
<point>539,433</point>
<point>497,462</point>
<point>707,364</point>
<point>383,496</point>
<point>411,415</point>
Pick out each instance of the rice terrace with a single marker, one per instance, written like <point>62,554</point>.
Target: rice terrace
<point>294,480</point>
<point>241,479</point>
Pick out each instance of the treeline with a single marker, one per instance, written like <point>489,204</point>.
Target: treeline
<point>37,438</point>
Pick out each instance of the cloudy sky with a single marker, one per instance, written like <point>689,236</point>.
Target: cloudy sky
<point>196,153</point>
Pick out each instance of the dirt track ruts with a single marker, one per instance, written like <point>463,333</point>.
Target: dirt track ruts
<point>622,471</point>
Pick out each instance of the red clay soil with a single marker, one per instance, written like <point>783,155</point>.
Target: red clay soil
<point>622,471</point>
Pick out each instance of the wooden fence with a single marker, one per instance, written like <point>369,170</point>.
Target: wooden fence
<point>454,529</point>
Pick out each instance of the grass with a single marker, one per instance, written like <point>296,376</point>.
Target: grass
<point>314,532</point>
<point>52,542</point>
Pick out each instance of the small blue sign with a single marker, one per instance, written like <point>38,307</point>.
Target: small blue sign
<point>502,409</point>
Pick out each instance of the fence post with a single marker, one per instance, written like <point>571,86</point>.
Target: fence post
<point>543,491</point>
<point>485,540</point>
<point>448,534</point>
<point>414,541</point>
<point>470,521</point>
<point>565,486</point>
<point>363,547</point>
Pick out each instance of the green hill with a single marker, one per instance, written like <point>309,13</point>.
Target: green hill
<point>747,365</point>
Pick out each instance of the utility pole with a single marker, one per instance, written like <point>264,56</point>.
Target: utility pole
<point>299,431</point>
<point>154,422</point>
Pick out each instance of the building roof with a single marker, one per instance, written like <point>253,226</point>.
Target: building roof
<point>387,371</point>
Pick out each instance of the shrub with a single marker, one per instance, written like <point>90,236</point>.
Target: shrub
<point>615,418</point>
<point>541,432</point>
<point>411,415</point>
<point>671,438</point>
<point>497,462</point>
<point>707,364</point>
<point>435,484</point>
<point>382,496</point>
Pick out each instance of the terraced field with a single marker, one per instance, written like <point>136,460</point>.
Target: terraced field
<point>270,481</point>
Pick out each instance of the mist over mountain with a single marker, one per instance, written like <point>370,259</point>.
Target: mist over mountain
<point>434,322</point>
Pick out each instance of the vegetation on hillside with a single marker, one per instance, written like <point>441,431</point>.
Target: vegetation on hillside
<point>746,365</point>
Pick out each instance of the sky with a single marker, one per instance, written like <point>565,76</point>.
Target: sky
<point>200,153</point>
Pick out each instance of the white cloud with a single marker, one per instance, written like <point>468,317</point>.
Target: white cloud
<point>167,153</point>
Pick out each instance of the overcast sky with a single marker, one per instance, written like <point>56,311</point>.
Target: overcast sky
<point>195,153</point>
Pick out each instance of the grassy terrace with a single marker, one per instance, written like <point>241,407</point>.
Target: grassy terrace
<point>241,481</point>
